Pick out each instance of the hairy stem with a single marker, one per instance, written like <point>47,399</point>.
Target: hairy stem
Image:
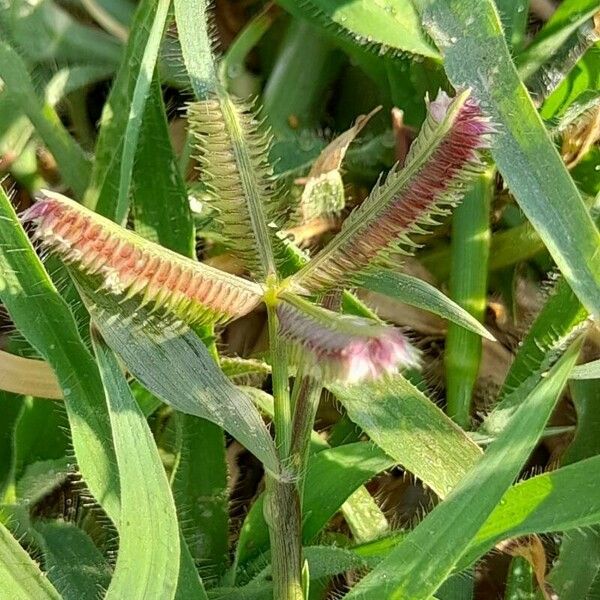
<point>282,503</point>
<point>305,400</point>
<point>281,392</point>
<point>282,513</point>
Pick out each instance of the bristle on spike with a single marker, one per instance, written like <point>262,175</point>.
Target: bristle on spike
<point>341,348</point>
<point>441,162</point>
<point>128,264</point>
<point>232,152</point>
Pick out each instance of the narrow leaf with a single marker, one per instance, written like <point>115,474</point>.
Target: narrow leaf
<point>103,191</point>
<point>193,28</point>
<point>150,345</point>
<point>590,370</point>
<point>419,293</point>
<point>381,26</point>
<point>136,110</point>
<point>201,494</point>
<point>74,165</point>
<point>161,209</point>
<point>410,428</point>
<point>148,518</point>
<point>20,577</point>
<point>421,562</point>
<point>74,564</point>
<point>45,320</point>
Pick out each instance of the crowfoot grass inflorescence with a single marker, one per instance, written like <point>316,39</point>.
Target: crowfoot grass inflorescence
<point>333,347</point>
<point>232,149</point>
<point>132,266</point>
<point>442,160</point>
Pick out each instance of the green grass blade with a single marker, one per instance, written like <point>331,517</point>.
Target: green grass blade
<point>508,247</point>
<point>468,288</point>
<point>148,558</point>
<point>194,36</point>
<point>293,95</point>
<point>161,208</point>
<point>422,561</point>
<point>410,428</point>
<point>519,582</point>
<point>136,110</point>
<point>542,504</point>
<point>557,320</point>
<point>515,16</point>
<point>150,346</point>
<point>103,190</point>
<point>326,489</point>
<point>48,32</point>
<point>74,564</point>
<point>569,16</point>
<point>20,577</point>
<point>73,164</point>
<point>477,56</point>
<point>364,517</point>
<point>40,434</point>
<point>189,584</point>
<point>11,409</point>
<point>571,577</point>
<point>419,293</point>
<point>233,62</point>
<point>201,494</point>
<point>380,26</point>
<point>45,320</point>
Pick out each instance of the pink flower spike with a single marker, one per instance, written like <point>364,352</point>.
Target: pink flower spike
<point>444,158</point>
<point>127,264</point>
<point>341,348</point>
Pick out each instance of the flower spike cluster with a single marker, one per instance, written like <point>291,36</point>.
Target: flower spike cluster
<point>332,347</point>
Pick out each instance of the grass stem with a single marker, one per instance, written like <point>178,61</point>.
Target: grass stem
<point>468,288</point>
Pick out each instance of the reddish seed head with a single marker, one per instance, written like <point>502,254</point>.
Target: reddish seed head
<point>440,162</point>
<point>95,245</point>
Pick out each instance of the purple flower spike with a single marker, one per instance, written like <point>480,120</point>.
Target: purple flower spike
<point>441,161</point>
<point>341,348</point>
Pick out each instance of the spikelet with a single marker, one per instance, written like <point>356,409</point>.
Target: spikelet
<point>233,156</point>
<point>341,348</point>
<point>131,266</point>
<point>444,157</point>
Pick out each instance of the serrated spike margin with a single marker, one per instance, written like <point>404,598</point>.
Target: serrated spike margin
<point>232,153</point>
<point>341,348</point>
<point>131,266</point>
<point>442,160</point>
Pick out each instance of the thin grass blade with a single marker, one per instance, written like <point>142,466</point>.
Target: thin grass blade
<point>148,518</point>
<point>45,320</point>
<point>421,562</point>
<point>20,576</point>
